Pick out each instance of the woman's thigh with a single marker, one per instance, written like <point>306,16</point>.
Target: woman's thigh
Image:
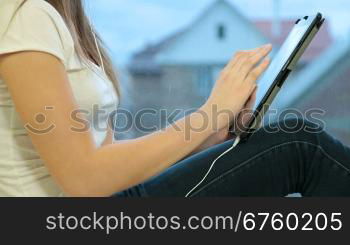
<point>288,157</point>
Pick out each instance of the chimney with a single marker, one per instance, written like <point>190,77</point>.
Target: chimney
<point>276,24</point>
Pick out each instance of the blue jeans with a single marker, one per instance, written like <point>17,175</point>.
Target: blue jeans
<point>299,158</point>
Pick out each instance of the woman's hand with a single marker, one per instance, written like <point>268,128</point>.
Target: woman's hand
<point>235,86</point>
<point>242,121</point>
<point>224,134</point>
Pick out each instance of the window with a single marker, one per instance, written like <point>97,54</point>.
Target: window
<point>205,80</point>
<point>221,32</point>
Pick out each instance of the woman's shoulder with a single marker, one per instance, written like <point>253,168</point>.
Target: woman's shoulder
<point>42,6</point>
<point>29,13</point>
<point>30,8</point>
<point>33,25</point>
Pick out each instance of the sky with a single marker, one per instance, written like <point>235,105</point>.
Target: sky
<point>129,25</point>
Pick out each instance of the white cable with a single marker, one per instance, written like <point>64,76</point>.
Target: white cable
<point>237,140</point>
<point>98,51</point>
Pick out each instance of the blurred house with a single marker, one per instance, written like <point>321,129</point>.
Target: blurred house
<point>179,71</point>
<point>191,58</point>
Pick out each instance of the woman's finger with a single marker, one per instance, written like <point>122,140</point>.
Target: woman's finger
<point>245,115</point>
<point>242,58</point>
<point>235,59</point>
<point>265,50</point>
<point>242,54</point>
<point>254,74</point>
<point>251,101</point>
<point>253,60</point>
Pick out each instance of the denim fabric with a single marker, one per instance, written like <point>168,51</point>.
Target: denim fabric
<point>299,158</point>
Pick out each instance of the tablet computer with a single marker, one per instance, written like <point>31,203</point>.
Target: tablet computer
<point>280,68</point>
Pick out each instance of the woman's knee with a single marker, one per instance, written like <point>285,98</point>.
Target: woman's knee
<point>296,125</point>
<point>297,129</point>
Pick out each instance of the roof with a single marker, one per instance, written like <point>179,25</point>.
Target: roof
<point>144,60</point>
<point>322,41</point>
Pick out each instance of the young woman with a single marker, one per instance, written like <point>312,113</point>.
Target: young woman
<point>52,66</point>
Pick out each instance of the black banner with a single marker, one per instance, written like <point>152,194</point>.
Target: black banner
<point>238,220</point>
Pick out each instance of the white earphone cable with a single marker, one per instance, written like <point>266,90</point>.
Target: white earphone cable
<point>98,50</point>
<point>236,142</point>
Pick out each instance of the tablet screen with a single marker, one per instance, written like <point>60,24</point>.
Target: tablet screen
<point>278,62</point>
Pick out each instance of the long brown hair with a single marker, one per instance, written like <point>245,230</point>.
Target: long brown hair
<point>73,13</point>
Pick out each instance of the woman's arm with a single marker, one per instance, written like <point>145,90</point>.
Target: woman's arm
<point>37,80</point>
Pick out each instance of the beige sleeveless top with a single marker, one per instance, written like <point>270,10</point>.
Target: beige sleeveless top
<point>37,26</point>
